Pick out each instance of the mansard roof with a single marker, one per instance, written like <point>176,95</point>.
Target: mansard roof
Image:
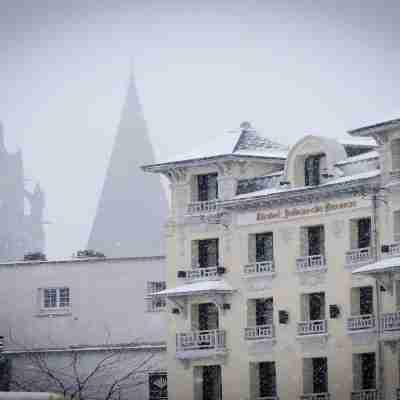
<point>381,127</point>
<point>243,143</point>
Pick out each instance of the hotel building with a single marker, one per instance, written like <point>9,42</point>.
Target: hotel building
<point>262,245</point>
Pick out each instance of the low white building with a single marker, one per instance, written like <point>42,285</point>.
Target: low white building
<point>87,310</point>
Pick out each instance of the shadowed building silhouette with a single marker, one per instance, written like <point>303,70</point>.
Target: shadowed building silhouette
<point>133,205</point>
<point>21,212</point>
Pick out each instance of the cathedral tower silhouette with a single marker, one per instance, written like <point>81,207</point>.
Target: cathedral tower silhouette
<point>133,206</point>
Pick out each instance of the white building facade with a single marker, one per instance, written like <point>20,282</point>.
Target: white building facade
<point>262,243</point>
<point>89,309</point>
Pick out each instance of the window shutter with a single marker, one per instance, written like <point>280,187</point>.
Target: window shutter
<point>198,383</point>
<point>212,186</point>
<point>322,240</point>
<point>397,293</point>
<point>305,307</point>
<point>304,242</point>
<point>213,252</point>
<point>354,234</point>
<point>396,154</point>
<point>194,188</point>
<point>356,372</point>
<point>194,316</point>
<point>252,248</point>
<point>195,253</point>
<point>254,381</point>
<point>396,226</point>
<point>39,299</point>
<point>251,312</point>
<point>355,301</point>
<point>307,375</point>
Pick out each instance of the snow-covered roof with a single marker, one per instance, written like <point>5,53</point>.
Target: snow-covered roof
<point>376,128</point>
<point>361,157</point>
<point>385,265</point>
<point>358,141</point>
<point>245,142</point>
<point>219,286</point>
<point>282,189</point>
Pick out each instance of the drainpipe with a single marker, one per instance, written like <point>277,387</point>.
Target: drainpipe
<point>379,354</point>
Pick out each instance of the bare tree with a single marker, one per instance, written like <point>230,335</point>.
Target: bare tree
<point>106,374</point>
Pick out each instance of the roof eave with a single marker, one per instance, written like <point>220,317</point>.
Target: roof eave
<point>380,128</point>
<point>201,161</point>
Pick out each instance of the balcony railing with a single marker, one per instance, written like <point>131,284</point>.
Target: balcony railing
<point>315,327</point>
<point>395,174</point>
<point>390,322</point>
<point>202,273</point>
<point>370,394</point>
<point>357,256</point>
<point>310,263</point>
<point>259,268</point>
<point>197,340</point>
<point>267,398</point>
<point>393,249</point>
<point>259,332</point>
<point>361,322</point>
<point>202,207</point>
<point>315,396</point>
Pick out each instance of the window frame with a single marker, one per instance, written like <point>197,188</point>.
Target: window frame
<point>155,304</point>
<point>58,304</point>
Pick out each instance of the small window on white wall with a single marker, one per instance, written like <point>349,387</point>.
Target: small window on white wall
<point>155,304</point>
<point>54,299</point>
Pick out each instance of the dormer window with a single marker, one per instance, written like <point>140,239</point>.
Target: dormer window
<point>312,169</point>
<point>207,187</point>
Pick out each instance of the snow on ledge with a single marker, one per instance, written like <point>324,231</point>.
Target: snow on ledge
<point>197,288</point>
<point>385,265</point>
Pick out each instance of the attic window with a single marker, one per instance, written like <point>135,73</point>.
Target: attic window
<point>312,165</point>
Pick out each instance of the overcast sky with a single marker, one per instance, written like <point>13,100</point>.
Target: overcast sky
<point>201,67</point>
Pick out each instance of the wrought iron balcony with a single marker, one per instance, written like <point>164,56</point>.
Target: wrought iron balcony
<point>259,269</point>
<point>198,274</point>
<point>315,396</point>
<point>395,174</point>
<point>360,322</point>
<point>370,394</point>
<point>267,398</point>
<point>393,250</point>
<point>310,263</point>
<point>358,256</point>
<point>199,340</point>
<point>259,332</point>
<point>202,207</point>
<point>315,327</point>
<point>390,322</point>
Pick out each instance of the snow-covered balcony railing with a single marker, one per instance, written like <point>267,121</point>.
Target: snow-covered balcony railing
<point>369,394</point>
<point>198,274</point>
<point>395,174</point>
<point>202,207</point>
<point>360,322</point>
<point>391,250</point>
<point>310,263</point>
<point>259,332</point>
<point>390,322</point>
<point>359,256</point>
<point>316,327</point>
<point>259,269</point>
<point>197,340</point>
<point>315,396</point>
<point>267,398</point>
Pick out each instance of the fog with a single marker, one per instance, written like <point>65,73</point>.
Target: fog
<point>201,68</point>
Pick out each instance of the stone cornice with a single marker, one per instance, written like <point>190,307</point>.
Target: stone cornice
<point>304,195</point>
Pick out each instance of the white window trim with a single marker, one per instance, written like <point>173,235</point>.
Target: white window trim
<point>151,302</point>
<point>50,311</point>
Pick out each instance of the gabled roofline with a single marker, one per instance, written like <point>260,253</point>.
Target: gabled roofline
<point>205,160</point>
<point>379,128</point>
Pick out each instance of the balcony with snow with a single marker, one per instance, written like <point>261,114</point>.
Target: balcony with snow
<point>260,320</point>
<point>360,243</point>
<point>260,255</point>
<point>205,339</point>
<point>362,319</point>
<point>312,244</point>
<point>314,323</point>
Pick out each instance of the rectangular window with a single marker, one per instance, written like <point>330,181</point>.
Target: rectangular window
<point>315,375</point>
<point>312,175</point>
<point>53,298</point>
<point>362,300</point>
<point>158,386</point>
<point>264,247</point>
<point>264,311</point>
<point>267,379</point>
<point>155,304</point>
<point>364,371</point>
<point>207,187</point>
<point>313,306</point>
<point>207,253</point>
